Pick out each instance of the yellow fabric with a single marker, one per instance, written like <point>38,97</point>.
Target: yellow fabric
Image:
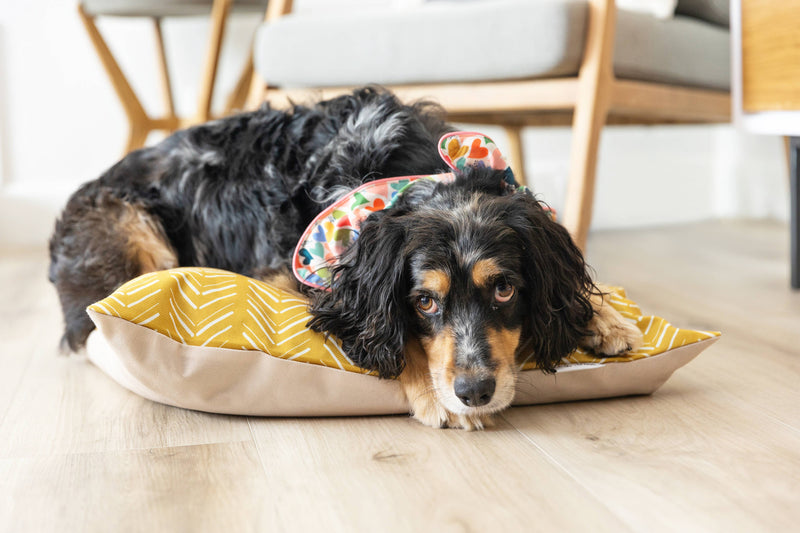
<point>215,308</point>
<point>209,307</point>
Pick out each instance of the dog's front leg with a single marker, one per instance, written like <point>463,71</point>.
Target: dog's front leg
<point>419,389</point>
<point>610,334</point>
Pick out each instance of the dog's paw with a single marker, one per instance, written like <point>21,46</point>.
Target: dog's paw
<point>434,415</point>
<point>430,413</point>
<point>469,422</point>
<point>611,334</point>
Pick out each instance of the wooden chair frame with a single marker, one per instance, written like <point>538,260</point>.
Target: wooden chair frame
<point>593,98</point>
<point>139,121</point>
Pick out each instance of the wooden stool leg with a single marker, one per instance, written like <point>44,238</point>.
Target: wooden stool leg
<point>137,117</point>
<point>515,153</point>
<point>595,82</point>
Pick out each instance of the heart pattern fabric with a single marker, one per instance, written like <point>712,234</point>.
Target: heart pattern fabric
<point>337,227</point>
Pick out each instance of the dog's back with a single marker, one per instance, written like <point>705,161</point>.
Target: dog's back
<point>234,193</point>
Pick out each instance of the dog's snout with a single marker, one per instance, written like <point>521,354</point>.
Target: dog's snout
<point>474,391</point>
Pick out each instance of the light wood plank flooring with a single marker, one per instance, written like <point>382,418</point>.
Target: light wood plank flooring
<point>715,449</point>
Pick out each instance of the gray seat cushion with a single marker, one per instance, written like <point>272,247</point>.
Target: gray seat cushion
<point>714,11</point>
<point>482,41</point>
<point>163,8</point>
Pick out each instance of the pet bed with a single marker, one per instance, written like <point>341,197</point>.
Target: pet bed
<point>215,341</point>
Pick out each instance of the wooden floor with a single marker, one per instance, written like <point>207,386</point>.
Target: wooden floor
<point>716,449</point>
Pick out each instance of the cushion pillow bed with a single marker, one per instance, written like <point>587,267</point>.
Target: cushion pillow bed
<point>214,341</point>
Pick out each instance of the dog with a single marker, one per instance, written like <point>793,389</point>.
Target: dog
<point>445,290</point>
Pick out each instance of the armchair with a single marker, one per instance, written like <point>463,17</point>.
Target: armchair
<point>512,63</point>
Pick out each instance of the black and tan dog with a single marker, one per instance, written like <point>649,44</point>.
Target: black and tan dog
<point>446,289</point>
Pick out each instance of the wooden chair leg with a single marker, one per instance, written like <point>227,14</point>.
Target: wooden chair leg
<point>137,136</point>
<point>137,117</point>
<point>219,16</point>
<point>166,84</point>
<point>515,152</point>
<point>595,82</point>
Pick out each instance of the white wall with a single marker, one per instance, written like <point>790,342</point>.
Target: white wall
<point>61,124</point>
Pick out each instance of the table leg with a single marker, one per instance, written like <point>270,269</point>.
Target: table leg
<point>794,220</point>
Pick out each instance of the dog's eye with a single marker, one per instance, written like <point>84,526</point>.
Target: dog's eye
<point>503,292</point>
<point>427,305</point>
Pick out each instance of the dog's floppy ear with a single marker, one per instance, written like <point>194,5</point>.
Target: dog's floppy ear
<point>366,307</point>
<point>557,283</point>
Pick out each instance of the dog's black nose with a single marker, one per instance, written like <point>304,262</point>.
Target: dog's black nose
<point>474,391</point>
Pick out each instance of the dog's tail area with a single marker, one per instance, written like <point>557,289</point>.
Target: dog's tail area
<point>100,242</point>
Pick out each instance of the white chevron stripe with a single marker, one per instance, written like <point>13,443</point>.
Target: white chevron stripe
<point>223,317</point>
<point>290,337</point>
<point>140,300</point>
<point>296,347</point>
<point>210,291</point>
<point>647,330</point>
<point>336,344</point>
<point>266,321</point>
<point>175,326</point>
<point>210,275</point>
<point>216,334</point>
<point>182,323</point>
<point>293,324</point>
<point>263,348</point>
<point>142,287</point>
<point>661,338</point>
<point>193,274</point>
<point>271,310</point>
<point>143,322</point>
<point>188,281</point>
<point>268,293</point>
<point>185,297</point>
<point>146,311</point>
<point>325,345</point>
<point>300,354</point>
<point>303,306</point>
<point>212,302</point>
<point>260,325</point>
<point>178,310</point>
<point>672,340</point>
<point>215,313</point>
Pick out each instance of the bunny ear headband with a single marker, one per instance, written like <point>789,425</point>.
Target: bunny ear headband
<point>337,227</point>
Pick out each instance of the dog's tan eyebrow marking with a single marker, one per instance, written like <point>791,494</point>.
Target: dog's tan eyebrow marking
<point>436,281</point>
<point>484,271</point>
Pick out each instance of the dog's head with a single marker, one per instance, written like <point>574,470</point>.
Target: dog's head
<point>467,276</point>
